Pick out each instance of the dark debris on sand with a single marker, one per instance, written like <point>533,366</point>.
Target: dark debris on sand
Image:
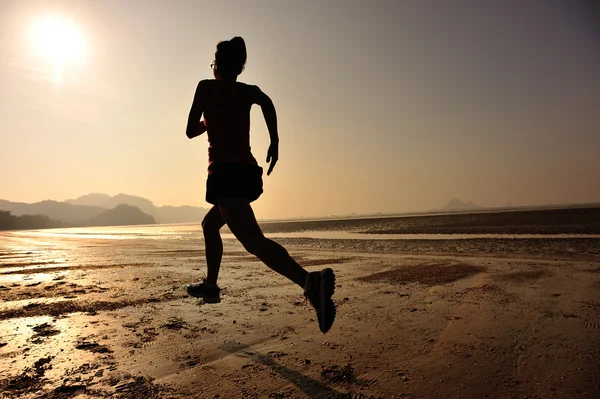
<point>140,387</point>
<point>65,307</point>
<point>93,347</point>
<point>336,374</point>
<point>31,380</point>
<point>65,392</point>
<point>148,335</point>
<point>175,323</point>
<point>42,331</point>
<point>425,274</point>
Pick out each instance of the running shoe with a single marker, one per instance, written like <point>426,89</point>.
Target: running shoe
<point>318,289</point>
<point>210,293</point>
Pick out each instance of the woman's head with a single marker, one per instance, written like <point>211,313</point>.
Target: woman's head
<point>230,58</point>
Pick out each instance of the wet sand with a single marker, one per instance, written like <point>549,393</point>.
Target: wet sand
<point>584,220</point>
<point>86,318</point>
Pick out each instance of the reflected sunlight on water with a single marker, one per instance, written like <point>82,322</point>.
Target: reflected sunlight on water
<point>185,232</point>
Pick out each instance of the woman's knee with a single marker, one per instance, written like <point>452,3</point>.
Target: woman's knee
<point>255,244</point>
<point>211,225</point>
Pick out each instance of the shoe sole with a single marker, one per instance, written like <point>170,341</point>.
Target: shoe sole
<point>211,299</point>
<point>205,298</point>
<point>326,289</point>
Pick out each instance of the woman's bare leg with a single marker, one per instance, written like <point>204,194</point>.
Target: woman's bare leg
<point>212,223</point>
<point>240,219</point>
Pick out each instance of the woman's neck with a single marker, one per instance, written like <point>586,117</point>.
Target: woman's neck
<point>228,79</point>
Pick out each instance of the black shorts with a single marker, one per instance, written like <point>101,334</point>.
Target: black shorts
<point>234,180</point>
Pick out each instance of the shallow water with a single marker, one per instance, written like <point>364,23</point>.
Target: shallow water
<point>185,232</point>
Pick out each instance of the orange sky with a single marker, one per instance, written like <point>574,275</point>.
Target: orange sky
<point>383,106</point>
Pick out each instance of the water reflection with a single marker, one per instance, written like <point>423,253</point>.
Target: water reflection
<point>193,232</point>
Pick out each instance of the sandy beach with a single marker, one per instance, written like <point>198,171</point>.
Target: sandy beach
<point>99,315</point>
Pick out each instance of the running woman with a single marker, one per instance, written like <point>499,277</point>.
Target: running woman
<point>235,179</point>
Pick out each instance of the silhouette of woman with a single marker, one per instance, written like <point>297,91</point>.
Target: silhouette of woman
<point>235,179</point>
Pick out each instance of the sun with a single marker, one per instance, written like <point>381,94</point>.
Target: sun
<point>58,41</point>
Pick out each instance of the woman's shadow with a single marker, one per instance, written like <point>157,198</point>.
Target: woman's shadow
<point>311,387</point>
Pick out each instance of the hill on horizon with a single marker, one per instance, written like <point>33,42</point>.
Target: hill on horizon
<point>55,210</point>
<point>457,205</point>
<point>109,202</point>
<point>121,215</point>
<point>89,206</point>
<point>162,214</point>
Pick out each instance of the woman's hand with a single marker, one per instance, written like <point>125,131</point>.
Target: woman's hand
<point>272,156</point>
<point>202,127</point>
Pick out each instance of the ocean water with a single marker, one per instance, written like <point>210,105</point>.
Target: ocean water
<point>193,232</point>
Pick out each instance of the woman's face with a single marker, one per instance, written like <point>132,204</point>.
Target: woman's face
<point>213,66</point>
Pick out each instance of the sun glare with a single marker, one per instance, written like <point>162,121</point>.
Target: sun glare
<point>58,41</point>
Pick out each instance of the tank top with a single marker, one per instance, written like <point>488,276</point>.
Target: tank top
<point>226,108</point>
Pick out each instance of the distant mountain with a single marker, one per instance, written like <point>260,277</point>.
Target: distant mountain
<point>108,202</point>
<point>121,215</point>
<point>86,207</point>
<point>163,214</point>
<point>93,199</point>
<point>457,205</point>
<point>48,214</point>
<point>62,211</point>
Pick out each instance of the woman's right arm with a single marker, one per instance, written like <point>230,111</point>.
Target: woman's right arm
<point>195,127</point>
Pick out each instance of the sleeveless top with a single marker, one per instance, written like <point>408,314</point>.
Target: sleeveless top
<point>226,107</point>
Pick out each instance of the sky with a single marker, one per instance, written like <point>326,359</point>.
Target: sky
<point>383,106</point>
